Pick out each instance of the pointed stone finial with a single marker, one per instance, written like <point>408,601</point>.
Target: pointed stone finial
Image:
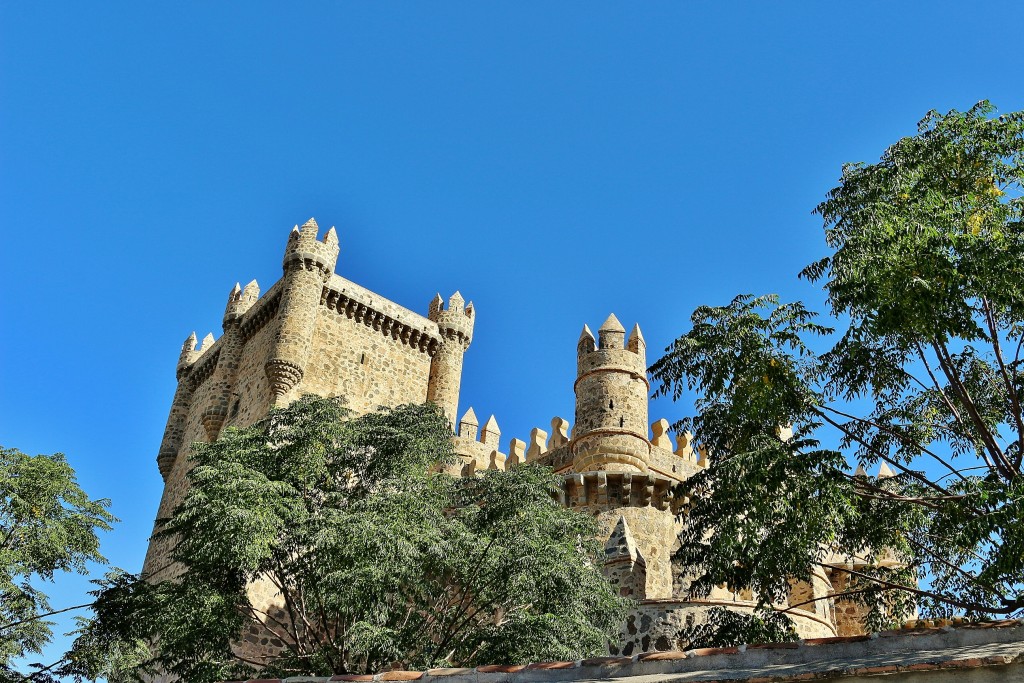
<point>207,342</point>
<point>468,425</point>
<point>331,237</point>
<point>294,233</point>
<point>884,472</point>
<point>660,437</point>
<point>612,334</point>
<point>190,343</point>
<point>233,298</point>
<point>470,311</point>
<point>684,446</point>
<point>587,343</point>
<point>860,471</point>
<point>538,443</point>
<point>251,291</point>
<point>456,302</point>
<point>436,304</point>
<point>469,469</point>
<point>636,342</point>
<point>490,434</point>
<point>612,324</point>
<point>702,450</point>
<point>310,226</point>
<point>516,453</point>
<point>559,432</point>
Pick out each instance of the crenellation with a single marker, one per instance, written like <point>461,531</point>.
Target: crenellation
<point>316,332</point>
<point>490,434</point>
<point>516,453</point>
<point>684,447</point>
<point>586,343</point>
<point>538,444</point>
<point>636,342</point>
<point>702,450</point>
<point>468,425</point>
<point>559,432</point>
<point>660,437</point>
<point>497,461</point>
<point>189,353</point>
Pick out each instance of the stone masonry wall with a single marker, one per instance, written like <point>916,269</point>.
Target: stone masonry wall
<point>354,360</point>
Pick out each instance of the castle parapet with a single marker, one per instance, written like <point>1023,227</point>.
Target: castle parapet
<point>483,453</point>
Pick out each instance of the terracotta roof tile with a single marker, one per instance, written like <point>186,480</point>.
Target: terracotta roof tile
<point>399,676</point>
<point>553,665</point>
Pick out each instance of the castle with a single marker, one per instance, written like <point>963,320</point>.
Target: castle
<point>316,332</point>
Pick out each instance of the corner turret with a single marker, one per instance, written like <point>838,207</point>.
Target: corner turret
<point>174,431</point>
<point>308,264</point>
<point>239,301</point>
<point>455,326</point>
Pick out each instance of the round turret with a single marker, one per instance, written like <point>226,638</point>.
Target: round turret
<point>610,433</point>
<point>455,326</point>
<point>308,264</point>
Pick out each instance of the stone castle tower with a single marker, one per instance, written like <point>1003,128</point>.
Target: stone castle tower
<point>316,332</point>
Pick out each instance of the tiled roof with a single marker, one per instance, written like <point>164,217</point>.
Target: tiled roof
<point>997,646</point>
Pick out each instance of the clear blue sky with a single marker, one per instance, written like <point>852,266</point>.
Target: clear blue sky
<point>553,161</point>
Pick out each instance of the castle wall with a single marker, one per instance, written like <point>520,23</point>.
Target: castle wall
<point>354,360</point>
<point>157,564</point>
<point>314,332</point>
<point>654,533</point>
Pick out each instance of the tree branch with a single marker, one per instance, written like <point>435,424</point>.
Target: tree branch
<point>36,617</point>
<point>993,328</point>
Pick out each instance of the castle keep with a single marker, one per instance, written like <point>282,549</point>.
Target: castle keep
<point>316,332</point>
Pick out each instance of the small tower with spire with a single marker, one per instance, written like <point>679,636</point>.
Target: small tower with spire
<point>610,432</point>
<point>455,327</point>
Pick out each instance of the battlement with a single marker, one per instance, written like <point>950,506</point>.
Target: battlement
<point>240,301</point>
<point>456,321</point>
<point>478,449</point>
<point>316,332</point>
<point>386,317</point>
<point>611,350</point>
<point>304,250</point>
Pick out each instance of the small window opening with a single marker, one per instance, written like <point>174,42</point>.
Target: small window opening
<point>611,404</point>
<point>622,422</point>
<point>362,359</point>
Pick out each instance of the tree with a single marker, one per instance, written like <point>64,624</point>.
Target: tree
<point>47,525</point>
<point>926,283</point>
<point>373,556</point>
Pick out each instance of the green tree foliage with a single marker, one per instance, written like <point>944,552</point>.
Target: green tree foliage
<point>926,283</point>
<point>47,525</point>
<point>725,627</point>
<point>373,554</point>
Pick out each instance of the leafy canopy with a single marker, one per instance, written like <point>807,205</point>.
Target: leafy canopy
<point>926,285</point>
<point>47,525</point>
<point>369,554</point>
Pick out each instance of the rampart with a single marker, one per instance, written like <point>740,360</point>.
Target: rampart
<point>316,332</point>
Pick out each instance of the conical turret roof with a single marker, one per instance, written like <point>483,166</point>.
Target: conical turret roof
<point>612,324</point>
